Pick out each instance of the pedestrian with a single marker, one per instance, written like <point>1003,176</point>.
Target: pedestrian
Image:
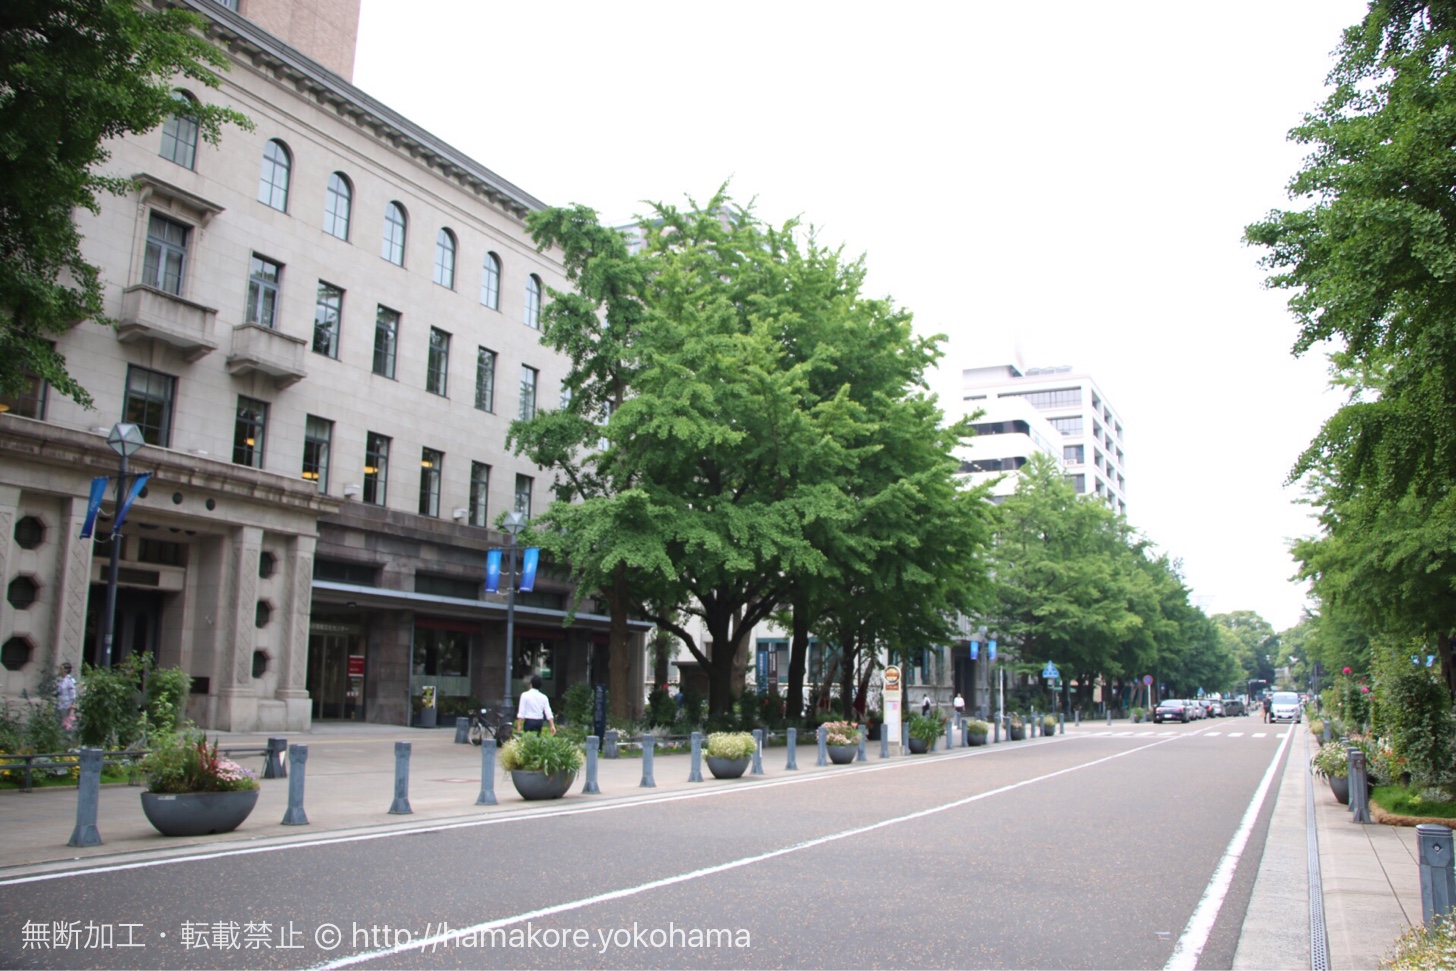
<point>1268,703</point>
<point>66,697</point>
<point>533,711</point>
<point>960,705</point>
<point>925,706</point>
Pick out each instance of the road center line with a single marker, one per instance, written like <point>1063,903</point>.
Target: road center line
<point>487,926</point>
<point>1190,946</point>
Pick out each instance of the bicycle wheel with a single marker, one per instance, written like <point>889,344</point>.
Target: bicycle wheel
<point>477,733</point>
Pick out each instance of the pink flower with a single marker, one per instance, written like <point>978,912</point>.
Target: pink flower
<point>1347,670</point>
<point>1364,689</point>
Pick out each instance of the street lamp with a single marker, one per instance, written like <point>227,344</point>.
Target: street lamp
<point>125,439</point>
<point>513,523</point>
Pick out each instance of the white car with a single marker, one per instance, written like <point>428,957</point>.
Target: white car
<point>1284,706</point>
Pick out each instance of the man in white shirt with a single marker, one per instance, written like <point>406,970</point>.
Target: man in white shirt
<point>533,711</point>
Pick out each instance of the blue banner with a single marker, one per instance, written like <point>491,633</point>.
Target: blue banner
<point>98,492</point>
<point>991,650</point>
<point>136,488</point>
<point>975,650</point>
<point>528,568</point>
<point>492,571</point>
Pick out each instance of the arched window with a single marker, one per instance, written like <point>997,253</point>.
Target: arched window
<point>338,203</point>
<point>490,282</point>
<point>394,228</point>
<point>533,302</point>
<point>179,133</point>
<point>273,185</point>
<point>445,259</point>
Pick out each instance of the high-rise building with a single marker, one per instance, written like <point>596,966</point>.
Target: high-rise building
<point>1088,431</point>
<point>324,327</point>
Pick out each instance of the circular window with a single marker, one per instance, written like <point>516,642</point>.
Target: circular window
<point>260,663</point>
<point>263,614</point>
<point>29,533</point>
<point>21,593</point>
<point>15,653</point>
<point>146,491</point>
<point>267,563</point>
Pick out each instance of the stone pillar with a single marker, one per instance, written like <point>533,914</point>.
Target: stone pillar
<point>73,583</point>
<point>292,641</point>
<point>237,703</point>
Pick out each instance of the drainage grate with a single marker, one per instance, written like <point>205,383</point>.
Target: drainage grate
<point>1319,945</point>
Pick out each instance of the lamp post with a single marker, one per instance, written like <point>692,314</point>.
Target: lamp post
<point>125,439</point>
<point>512,524</point>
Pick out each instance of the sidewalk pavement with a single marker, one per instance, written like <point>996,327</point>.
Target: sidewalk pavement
<point>1370,873</point>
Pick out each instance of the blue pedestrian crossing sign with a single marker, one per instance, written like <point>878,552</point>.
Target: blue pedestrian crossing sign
<point>1050,671</point>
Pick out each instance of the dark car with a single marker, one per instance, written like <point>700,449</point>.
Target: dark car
<point>1233,707</point>
<point>1171,710</point>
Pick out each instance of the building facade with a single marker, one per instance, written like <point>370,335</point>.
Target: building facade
<point>324,327</point>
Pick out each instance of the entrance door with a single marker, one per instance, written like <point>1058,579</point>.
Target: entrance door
<point>137,627</point>
<point>328,676</point>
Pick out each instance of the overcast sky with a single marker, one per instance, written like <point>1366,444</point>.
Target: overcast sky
<point>1070,179</point>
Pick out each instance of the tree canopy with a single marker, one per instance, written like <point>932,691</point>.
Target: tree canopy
<point>74,73</point>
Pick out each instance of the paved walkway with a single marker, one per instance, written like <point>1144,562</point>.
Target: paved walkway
<point>1370,875</point>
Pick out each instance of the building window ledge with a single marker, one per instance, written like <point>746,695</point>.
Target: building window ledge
<point>262,350</point>
<point>149,314</point>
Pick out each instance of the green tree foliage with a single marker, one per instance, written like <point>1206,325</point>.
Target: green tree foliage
<point>1370,261</point>
<point>74,73</point>
<point>1413,710</point>
<point>1252,642</point>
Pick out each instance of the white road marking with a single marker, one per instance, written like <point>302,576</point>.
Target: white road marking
<point>1212,734</point>
<point>1190,945</point>
<point>1236,734</point>
<point>1261,735</point>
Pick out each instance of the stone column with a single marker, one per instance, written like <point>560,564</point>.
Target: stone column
<point>73,586</point>
<point>295,610</point>
<point>237,699</point>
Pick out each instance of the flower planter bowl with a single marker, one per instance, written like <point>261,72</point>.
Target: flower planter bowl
<point>727,768</point>
<point>198,813</point>
<point>1340,786</point>
<point>842,754</point>
<point>539,785</point>
<point>918,746</point>
<point>976,738</point>
<point>1016,733</point>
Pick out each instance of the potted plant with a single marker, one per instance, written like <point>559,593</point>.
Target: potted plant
<point>542,765</point>
<point>924,730</point>
<point>1332,763</point>
<point>192,790</point>
<point>1015,728</point>
<point>976,731</point>
<point>842,741</point>
<point>1049,724</point>
<point>728,754</point>
<point>1137,714</point>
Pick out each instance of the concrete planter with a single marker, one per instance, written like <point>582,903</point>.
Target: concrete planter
<point>842,754</point>
<point>1340,786</point>
<point>727,768</point>
<point>1016,732</point>
<point>539,785</point>
<point>918,746</point>
<point>975,739</point>
<point>198,813</point>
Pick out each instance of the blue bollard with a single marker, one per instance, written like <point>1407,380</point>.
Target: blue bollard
<point>860,755</point>
<point>884,741</point>
<point>1359,792</point>
<point>823,746</point>
<point>1438,881</point>
<point>647,781</point>
<point>294,814</point>
<point>757,752</point>
<point>487,773</point>
<point>273,767</point>
<point>401,805</point>
<point>610,751</point>
<point>793,764</point>
<point>695,769</point>
<point>592,744</point>
<point>904,738</point>
<point>1109,716</point>
<point>996,729</point>
<point>462,731</point>
<point>949,742</point>
<point>1061,724</point>
<point>88,800</point>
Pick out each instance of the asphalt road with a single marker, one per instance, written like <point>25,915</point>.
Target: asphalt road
<point>1073,852</point>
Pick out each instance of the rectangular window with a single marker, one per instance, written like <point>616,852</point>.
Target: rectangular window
<point>263,282</point>
<point>248,429</point>
<point>328,312</point>
<point>318,435</point>
<point>430,462</point>
<point>439,363</point>
<point>523,495</point>
<point>376,468</point>
<point>29,401</point>
<point>528,393</point>
<point>484,379</point>
<point>1074,454</point>
<point>1060,398</point>
<point>166,257</point>
<point>386,340</point>
<point>1067,426</point>
<point>1077,482</point>
<point>479,492</point>
<point>149,399</point>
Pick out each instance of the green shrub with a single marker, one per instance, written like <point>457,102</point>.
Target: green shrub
<point>694,708</point>
<point>108,703</point>
<point>1414,713</point>
<point>928,728</point>
<point>540,752</point>
<point>1331,761</point>
<point>167,690</point>
<point>1425,947</point>
<point>576,705</point>
<point>974,726</point>
<point>747,709</point>
<point>183,762</point>
<point>661,708</point>
<point>730,745</point>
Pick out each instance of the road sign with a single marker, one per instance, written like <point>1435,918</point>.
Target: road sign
<point>1147,679</point>
<point>1050,671</point>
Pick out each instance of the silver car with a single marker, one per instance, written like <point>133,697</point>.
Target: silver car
<point>1284,707</point>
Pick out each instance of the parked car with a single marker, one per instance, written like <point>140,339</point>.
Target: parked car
<point>1215,708</point>
<point>1284,707</point>
<point>1171,710</point>
<point>1233,707</point>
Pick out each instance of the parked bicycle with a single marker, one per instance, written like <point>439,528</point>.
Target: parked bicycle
<point>485,723</point>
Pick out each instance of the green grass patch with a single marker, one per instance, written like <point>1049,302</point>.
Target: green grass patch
<point>1408,802</point>
<point>43,779</point>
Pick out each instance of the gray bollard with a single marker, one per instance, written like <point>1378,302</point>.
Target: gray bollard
<point>1034,726</point>
<point>757,752</point>
<point>1438,879</point>
<point>462,731</point>
<point>822,735</point>
<point>1061,724</point>
<point>1327,731</point>
<point>647,781</point>
<point>904,738</point>
<point>1109,715</point>
<point>401,806</point>
<point>996,730</point>
<point>1077,716</point>
<point>487,773</point>
<point>1359,791</point>
<point>592,744</point>
<point>884,741</point>
<point>949,741</point>
<point>793,763</point>
<point>88,800</point>
<point>610,751</point>
<point>273,767</point>
<point>695,769</point>
<point>863,736</point>
<point>294,814</point>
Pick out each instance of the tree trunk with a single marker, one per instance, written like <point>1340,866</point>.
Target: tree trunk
<point>1448,663</point>
<point>798,658</point>
<point>619,663</point>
